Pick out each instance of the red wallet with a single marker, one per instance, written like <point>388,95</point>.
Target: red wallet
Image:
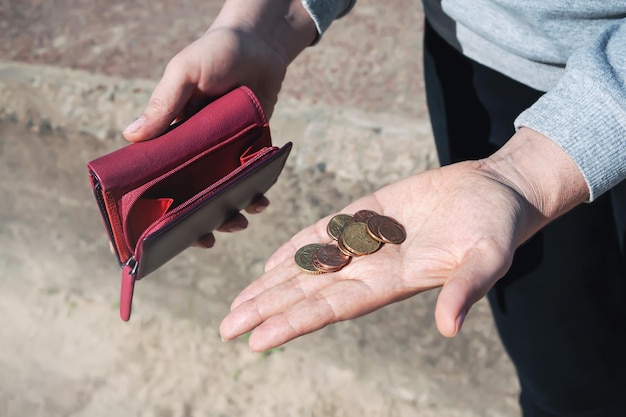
<point>158,197</point>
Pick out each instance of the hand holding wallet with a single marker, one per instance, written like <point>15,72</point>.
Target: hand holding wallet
<point>158,197</point>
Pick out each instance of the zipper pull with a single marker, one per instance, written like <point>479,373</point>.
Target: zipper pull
<point>129,272</point>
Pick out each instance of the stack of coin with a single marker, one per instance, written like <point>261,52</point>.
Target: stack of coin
<point>355,235</point>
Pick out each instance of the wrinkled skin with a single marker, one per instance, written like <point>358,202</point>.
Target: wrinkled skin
<point>456,239</point>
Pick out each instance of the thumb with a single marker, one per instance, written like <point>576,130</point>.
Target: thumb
<point>468,283</point>
<point>166,102</point>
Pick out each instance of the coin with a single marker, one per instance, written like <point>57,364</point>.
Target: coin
<point>357,239</point>
<point>330,259</point>
<point>385,229</point>
<point>336,225</point>
<point>304,258</point>
<point>391,232</point>
<point>373,223</point>
<point>342,247</point>
<point>361,234</point>
<point>363,215</point>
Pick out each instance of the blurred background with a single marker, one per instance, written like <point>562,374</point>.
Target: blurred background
<point>73,74</point>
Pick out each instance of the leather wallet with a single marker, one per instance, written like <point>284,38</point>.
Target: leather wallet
<point>158,197</point>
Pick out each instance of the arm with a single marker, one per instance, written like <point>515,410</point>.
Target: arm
<point>586,113</point>
<point>540,171</point>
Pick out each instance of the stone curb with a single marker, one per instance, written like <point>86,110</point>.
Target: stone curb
<point>351,142</point>
<point>46,98</point>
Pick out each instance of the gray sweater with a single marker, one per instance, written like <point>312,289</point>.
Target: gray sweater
<point>575,50</point>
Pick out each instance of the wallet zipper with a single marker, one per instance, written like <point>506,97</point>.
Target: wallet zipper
<point>129,268</point>
<point>129,276</point>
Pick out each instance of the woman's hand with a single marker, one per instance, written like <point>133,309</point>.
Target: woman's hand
<point>219,61</point>
<point>463,223</point>
<point>248,44</point>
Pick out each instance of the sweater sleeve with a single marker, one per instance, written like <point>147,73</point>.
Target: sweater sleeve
<point>323,12</point>
<point>585,113</point>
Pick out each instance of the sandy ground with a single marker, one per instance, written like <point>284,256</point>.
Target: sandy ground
<point>71,77</point>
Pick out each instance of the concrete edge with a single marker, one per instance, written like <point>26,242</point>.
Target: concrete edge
<point>47,98</point>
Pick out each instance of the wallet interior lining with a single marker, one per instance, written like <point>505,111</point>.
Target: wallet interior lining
<point>175,190</point>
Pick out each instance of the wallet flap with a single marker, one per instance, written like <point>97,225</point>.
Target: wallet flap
<point>228,117</point>
<point>206,214</point>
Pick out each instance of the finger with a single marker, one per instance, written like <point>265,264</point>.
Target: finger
<point>205,242</point>
<point>306,303</point>
<point>468,283</point>
<point>343,300</point>
<point>278,275</point>
<point>250,313</point>
<point>258,205</point>
<point>166,102</point>
<point>236,223</point>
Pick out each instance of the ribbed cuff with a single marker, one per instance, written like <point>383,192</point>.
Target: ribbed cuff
<point>324,12</point>
<point>588,123</point>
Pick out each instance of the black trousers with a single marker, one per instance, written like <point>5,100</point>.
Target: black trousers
<point>561,309</point>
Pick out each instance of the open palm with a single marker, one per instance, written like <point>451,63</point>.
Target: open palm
<point>462,228</point>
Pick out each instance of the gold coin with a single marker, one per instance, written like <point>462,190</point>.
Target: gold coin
<point>304,258</point>
<point>336,225</point>
<point>357,239</point>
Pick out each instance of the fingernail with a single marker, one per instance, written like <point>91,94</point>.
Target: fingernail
<point>235,229</point>
<point>459,322</point>
<point>135,126</point>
